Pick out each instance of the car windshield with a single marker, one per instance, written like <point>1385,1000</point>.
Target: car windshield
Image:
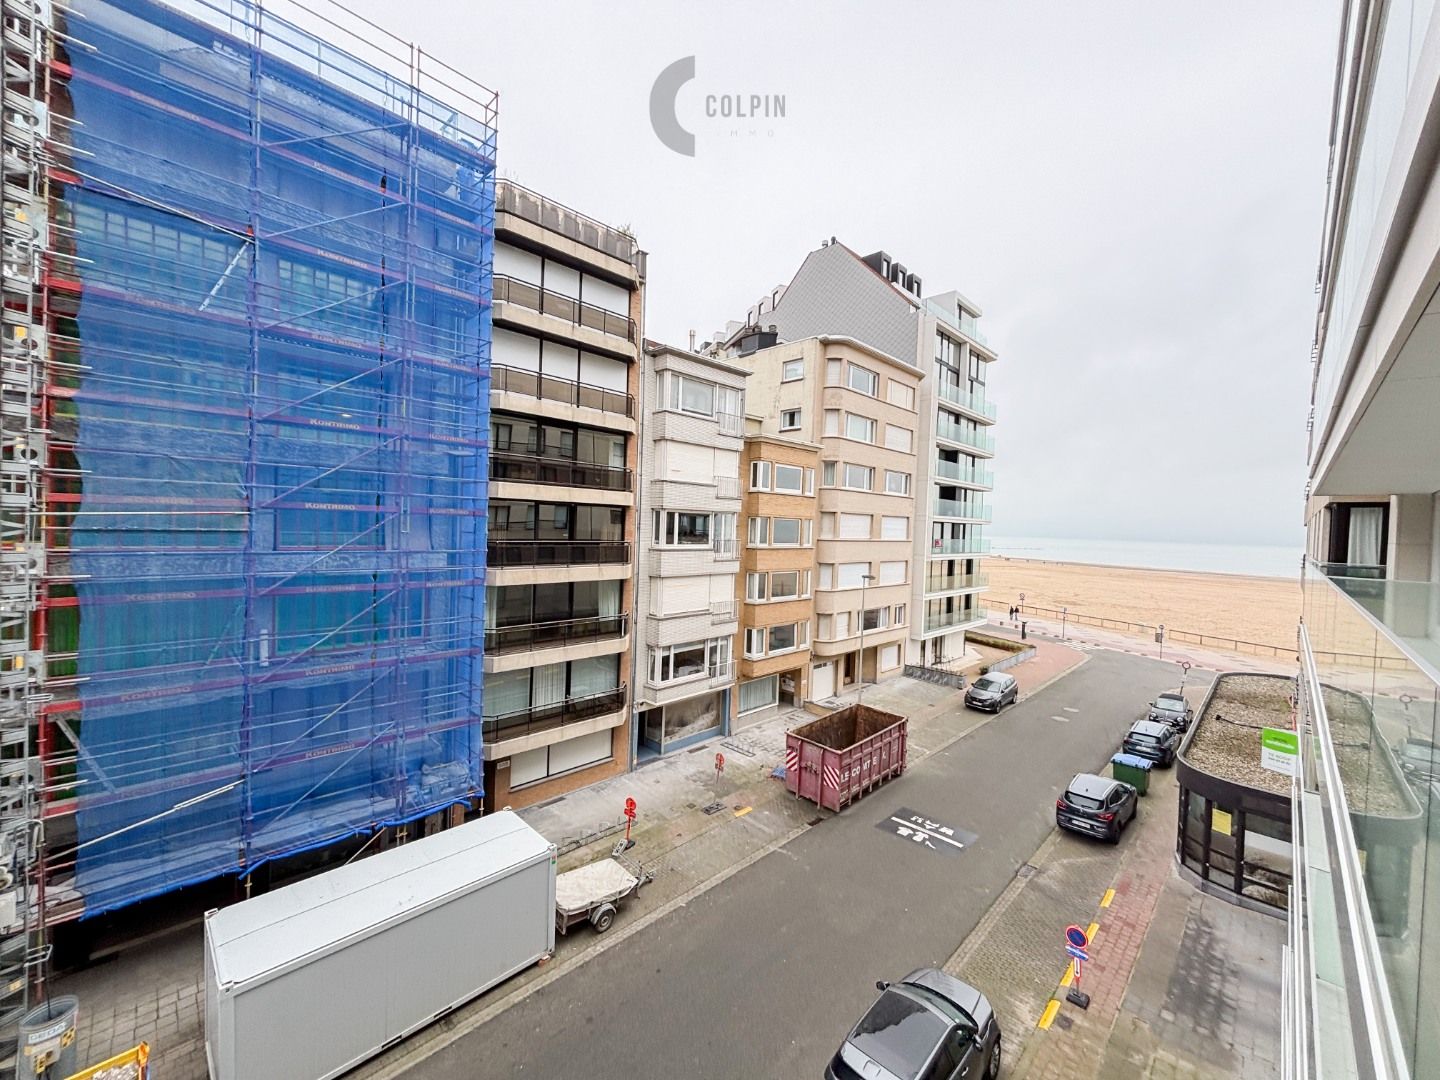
<point>987,683</point>
<point>1175,704</point>
<point>1084,802</point>
<point>899,1034</point>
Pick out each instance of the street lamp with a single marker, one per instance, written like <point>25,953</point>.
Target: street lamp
<point>865,580</point>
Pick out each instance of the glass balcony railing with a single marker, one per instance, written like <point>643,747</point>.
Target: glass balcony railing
<point>548,635</point>
<point>975,403</point>
<point>549,388</point>
<point>964,323</point>
<point>957,433</point>
<point>1364,863</point>
<point>963,474</point>
<point>974,510</point>
<point>945,620</point>
<point>535,718</point>
<point>955,583</point>
<point>975,546</point>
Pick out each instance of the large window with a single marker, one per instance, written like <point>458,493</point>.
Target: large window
<point>682,528</point>
<point>860,428</point>
<point>759,693</point>
<point>859,477</point>
<point>777,585</point>
<point>769,640</point>
<point>863,380</point>
<point>790,479</point>
<point>691,395</point>
<point>670,663</point>
<point>779,532</point>
<point>897,483</point>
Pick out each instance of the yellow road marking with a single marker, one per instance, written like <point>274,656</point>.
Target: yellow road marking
<point>743,811</point>
<point>1069,976</point>
<point>1048,1015</point>
<point>1109,895</point>
<point>1091,932</point>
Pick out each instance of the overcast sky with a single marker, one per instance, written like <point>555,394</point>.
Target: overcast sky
<point>1131,192</point>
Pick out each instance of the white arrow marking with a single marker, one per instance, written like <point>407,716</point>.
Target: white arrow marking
<point>927,832</point>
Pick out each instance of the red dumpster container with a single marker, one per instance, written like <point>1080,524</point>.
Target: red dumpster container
<point>837,758</point>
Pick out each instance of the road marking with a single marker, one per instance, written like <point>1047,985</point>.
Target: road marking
<point>1048,1015</point>
<point>1091,932</point>
<point>1109,895</point>
<point>743,811</point>
<point>911,827</point>
<point>1069,708</point>
<point>1069,976</point>
<point>1061,719</point>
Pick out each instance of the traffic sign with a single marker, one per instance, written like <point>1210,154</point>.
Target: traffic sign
<point>630,808</point>
<point>719,762</point>
<point>1078,954</point>
<point>1076,937</point>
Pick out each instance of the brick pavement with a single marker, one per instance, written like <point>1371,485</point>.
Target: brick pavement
<point>154,992</point>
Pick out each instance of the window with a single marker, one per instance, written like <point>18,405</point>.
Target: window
<point>809,481</point>
<point>899,615</point>
<point>861,428</point>
<point>892,573</point>
<point>890,658</point>
<point>851,575</point>
<point>692,395</point>
<point>855,526</point>
<point>679,661</point>
<point>792,370</point>
<point>759,531</point>
<point>894,528</point>
<point>790,420</point>
<point>755,587</point>
<point>786,584</point>
<point>832,372</point>
<point>897,483</point>
<point>827,575</point>
<point>786,531</point>
<point>897,438</point>
<point>760,476</point>
<point>864,381</point>
<point>755,641</point>
<point>876,618</point>
<point>827,526</point>
<point>827,473</point>
<point>789,479</point>
<point>842,624</point>
<point>859,477</point>
<point>679,527</point>
<point>785,636</point>
<point>900,394</point>
<point>832,421</point>
<point>825,629</point>
<point>759,693</point>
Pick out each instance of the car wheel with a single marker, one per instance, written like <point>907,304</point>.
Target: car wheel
<point>993,1070</point>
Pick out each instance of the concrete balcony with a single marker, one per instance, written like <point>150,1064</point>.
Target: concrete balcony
<point>715,677</point>
<point>511,647</point>
<point>541,725</point>
<point>530,393</point>
<point>542,311</point>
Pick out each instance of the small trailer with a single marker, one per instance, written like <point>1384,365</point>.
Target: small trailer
<point>837,758</point>
<point>593,893</point>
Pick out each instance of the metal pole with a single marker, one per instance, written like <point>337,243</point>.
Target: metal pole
<point>860,693</point>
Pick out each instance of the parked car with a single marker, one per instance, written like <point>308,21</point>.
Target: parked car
<point>993,691</point>
<point>1171,708</point>
<point>1419,761</point>
<point>927,1026</point>
<point>1152,740</point>
<point>1097,806</point>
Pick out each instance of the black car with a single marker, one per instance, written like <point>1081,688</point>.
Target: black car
<point>1152,740</point>
<point>927,1026</point>
<point>993,691</point>
<point>1171,708</point>
<point>1097,806</point>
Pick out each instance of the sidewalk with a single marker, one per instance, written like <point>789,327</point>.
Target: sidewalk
<point>1182,984</point>
<point>692,830</point>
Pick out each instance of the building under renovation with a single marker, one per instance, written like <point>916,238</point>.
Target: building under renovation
<point>247,284</point>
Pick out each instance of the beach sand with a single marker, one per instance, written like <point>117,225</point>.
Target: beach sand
<point>1256,609</point>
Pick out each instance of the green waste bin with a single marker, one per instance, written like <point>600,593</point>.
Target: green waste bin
<point>1132,770</point>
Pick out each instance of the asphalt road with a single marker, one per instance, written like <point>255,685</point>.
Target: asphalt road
<point>763,975</point>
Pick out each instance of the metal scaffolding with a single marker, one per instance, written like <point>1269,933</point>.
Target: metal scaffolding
<point>247,288</point>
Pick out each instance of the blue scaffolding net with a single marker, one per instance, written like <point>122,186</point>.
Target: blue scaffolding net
<point>268,419</point>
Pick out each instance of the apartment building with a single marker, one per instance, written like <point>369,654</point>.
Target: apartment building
<point>565,377</point>
<point>1363,966</point>
<point>877,301</point>
<point>690,500</point>
<point>776,584</point>
<point>857,404</point>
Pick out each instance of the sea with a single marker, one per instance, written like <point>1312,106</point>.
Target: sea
<point>1256,560</point>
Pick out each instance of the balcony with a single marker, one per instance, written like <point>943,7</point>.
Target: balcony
<point>963,399</point>
<point>510,290</point>
<point>952,432</point>
<point>956,473</point>
<point>508,553</point>
<point>960,508</point>
<point>955,583</point>
<point>952,619</point>
<point>963,323</point>
<point>960,547</point>
<point>549,635</point>
<point>566,391</point>
<point>559,218</point>
<point>534,469</point>
<point>536,718</point>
